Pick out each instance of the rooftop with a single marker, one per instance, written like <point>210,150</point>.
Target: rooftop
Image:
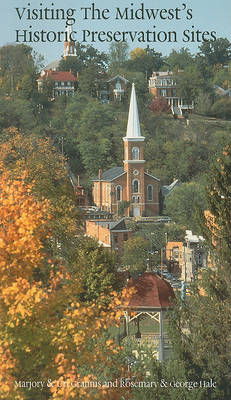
<point>59,75</point>
<point>152,292</point>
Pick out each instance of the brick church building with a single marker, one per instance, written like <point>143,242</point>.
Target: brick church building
<point>130,182</point>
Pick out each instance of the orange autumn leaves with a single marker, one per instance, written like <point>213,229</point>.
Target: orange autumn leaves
<point>44,330</point>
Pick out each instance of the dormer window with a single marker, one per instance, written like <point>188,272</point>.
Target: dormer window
<point>135,153</point>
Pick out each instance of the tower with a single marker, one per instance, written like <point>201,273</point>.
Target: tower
<point>134,159</point>
<point>69,45</point>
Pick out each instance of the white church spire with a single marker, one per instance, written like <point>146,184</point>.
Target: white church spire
<point>133,126</point>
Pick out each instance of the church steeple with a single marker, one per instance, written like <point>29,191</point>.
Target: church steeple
<point>133,126</point>
<point>69,45</point>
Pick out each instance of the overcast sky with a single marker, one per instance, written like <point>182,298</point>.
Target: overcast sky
<point>207,16</point>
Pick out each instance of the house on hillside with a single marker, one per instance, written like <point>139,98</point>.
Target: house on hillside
<point>163,84</point>
<point>113,89</point>
<point>64,82</point>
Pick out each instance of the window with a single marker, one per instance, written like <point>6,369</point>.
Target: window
<point>115,239</point>
<point>138,199</point>
<point>135,153</point>
<point>133,199</point>
<point>125,237</point>
<point>163,92</point>
<point>118,85</point>
<point>150,192</point>
<point>118,193</point>
<point>135,186</point>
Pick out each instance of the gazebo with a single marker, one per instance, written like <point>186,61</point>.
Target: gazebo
<point>153,297</point>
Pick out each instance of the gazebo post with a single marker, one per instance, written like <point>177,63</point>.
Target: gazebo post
<point>127,323</point>
<point>161,338</point>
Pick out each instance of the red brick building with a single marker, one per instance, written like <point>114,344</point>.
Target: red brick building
<point>65,82</point>
<point>163,84</point>
<point>130,183</point>
<point>111,234</point>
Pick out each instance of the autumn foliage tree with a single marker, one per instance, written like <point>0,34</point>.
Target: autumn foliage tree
<point>46,334</point>
<point>159,105</point>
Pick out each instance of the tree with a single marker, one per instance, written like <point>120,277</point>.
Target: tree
<point>145,61</point>
<point>222,108</point>
<point>86,55</point>
<point>15,62</point>
<point>203,103</point>
<point>190,83</point>
<point>135,254</point>
<point>46,169</point>
<point>182,204</point>
<point>17,112</point>
<point>160,105</point>
<point>46,334</point>
<point>179,59</point>
<point>216,52</point>
<point>118,55</point>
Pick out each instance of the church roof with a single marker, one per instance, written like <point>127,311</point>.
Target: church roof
<point>111,174</point>
<point>167,190</point>
<point>133,126</point>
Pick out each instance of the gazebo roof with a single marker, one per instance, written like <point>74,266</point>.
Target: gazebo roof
<point>152,292</point>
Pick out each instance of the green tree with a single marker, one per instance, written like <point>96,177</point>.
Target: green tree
<point>182,204</point>
<point>86,55</point>
<point>216,52</point>
<point>179,59</point>
<point>222,108</point>
<point>98,277</point>
<point>190,83</point>
<point>135,254</point>
<point>145,62</point>
<point>118,55</point>
<point>15,62</point>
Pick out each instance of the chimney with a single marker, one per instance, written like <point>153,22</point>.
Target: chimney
<point>99,174</point>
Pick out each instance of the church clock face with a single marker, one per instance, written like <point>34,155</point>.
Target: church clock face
<point>135,172</point>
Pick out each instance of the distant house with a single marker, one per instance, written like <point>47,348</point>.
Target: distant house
<point>114,88</point>
<point>65,82</point>
<point>110,234</point>
<point>163,84</point>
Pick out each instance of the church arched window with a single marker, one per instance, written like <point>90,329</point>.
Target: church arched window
<point>135,186</point>
<point>135,153</point>
<point>118,193</point>
<point>150,192</point>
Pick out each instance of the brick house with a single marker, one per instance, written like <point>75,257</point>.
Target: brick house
<point>162,84</point>
<point>130,182</point>
<point>65,83</point>
<point>111,234</point>
<point>114,88</point>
